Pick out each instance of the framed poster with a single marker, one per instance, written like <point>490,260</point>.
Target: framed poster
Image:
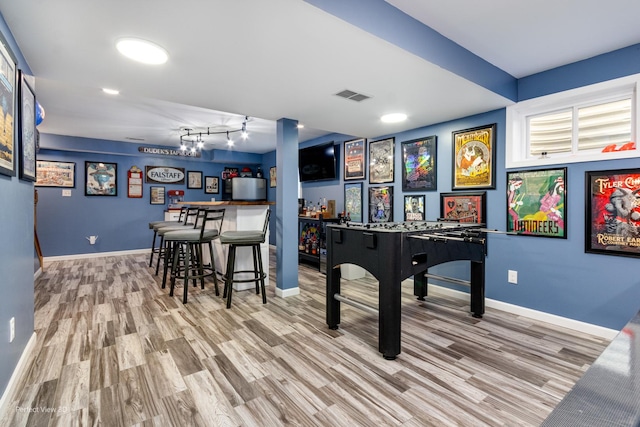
<point>612,225</point>
<point>7,108</point>
<point>474,158</point>
<point>272,177</point>
<point>353,201</point>
<point>156,195</point>
<point>134,182</point>
<point>211,185</point>
<point>101,179</point>
<point>194,180</point>
<point>381,204</point>
<point>414,208</point>
<point>464,207</point>
<point>354,159</point>
<point>55,174</point>
<point>381,157</point>
<point>536,202</point>
<point>419,164</point>
<point>26,131</point>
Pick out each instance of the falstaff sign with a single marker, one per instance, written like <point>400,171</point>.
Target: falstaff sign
<point>164,175</point>
<point>168,152</point>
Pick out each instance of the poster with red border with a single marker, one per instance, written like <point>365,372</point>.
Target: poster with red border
<point>613,212</point>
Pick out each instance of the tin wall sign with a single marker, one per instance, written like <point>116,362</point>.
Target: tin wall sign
<point>164,175</point>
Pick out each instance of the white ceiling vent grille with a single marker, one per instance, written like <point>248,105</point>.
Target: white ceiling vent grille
<point>354,96</point>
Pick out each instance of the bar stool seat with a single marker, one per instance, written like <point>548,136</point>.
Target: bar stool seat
<point>244,238</point>
<point>189,241</point>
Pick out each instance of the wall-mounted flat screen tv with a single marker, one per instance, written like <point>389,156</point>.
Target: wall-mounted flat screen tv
<point>317,162</point>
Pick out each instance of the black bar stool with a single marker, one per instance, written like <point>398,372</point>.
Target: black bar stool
<point>244,238</point>
<point>189,242</point>
<point>161,229</point>
<point>154,225</point>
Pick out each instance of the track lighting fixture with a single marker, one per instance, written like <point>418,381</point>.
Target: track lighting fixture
<point>195,140</point>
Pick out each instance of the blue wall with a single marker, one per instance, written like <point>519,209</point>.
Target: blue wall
<point>554,275</point>
<point>16,256</point>
<point>120,222</point>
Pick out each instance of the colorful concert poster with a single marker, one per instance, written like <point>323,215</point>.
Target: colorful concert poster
<point>474,158</point>
<point>464,207</point>
<point>380,204</point>
<point>536,202</point>
<point>419,164</point>
<point>613,212</point>
<point>354,165</point>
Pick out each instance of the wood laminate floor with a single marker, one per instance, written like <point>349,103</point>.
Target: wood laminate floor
<point>113,349</point>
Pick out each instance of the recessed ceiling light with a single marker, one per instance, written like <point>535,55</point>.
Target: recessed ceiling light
<point>394,118</point>
<point>300,126</point>
<point>142,51</point>
<point>110,91</point>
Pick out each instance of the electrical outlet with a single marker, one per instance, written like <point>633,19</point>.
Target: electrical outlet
<point>513,277</point>
<point>66,193</point>
<point>12,329</point>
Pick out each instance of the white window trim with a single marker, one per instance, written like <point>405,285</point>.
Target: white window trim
<point>516,150</point>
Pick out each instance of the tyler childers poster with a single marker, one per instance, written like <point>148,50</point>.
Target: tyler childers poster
<point>613,212</point>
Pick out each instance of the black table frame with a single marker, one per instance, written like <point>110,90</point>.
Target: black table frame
<point>392,256</point>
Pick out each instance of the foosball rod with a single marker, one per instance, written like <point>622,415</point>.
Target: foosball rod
<point>356,304</point>
<point>448,279</point>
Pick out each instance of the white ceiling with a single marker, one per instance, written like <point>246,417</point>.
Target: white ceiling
<point>285,58</point>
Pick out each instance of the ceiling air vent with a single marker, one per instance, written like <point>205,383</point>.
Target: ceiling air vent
<point>132,138</point>
<point>354,96</point>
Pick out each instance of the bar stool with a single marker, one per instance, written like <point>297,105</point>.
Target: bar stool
<point>244,238</point>
<point>154,225</point>
<point>190,220</point>
<point>188,243</point>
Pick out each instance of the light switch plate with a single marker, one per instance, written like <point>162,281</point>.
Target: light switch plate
<point>66,193</point>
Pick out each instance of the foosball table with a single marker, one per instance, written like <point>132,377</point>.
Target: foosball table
<point>393,252</point>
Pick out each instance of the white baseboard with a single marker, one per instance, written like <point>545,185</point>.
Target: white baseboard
<point>564,322</point>
<point>96,255</point>
<point>37,273</point>
<point>9,392</point>
<point>284,293</point>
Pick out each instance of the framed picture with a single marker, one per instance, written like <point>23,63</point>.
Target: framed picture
<point>414,208</point>
<point>464,207</point>
<point>211,185</point>
<point>474,158</point>
<point>272,177</point>
<point>419,164</point>
<point>354,159</point>
<point>612,225</point>
<point>7,108</point>
<point>101,179</point>
<point>55,174</point>
<point>27,131</point>
<point>381,158</point>
<point>536,202</point>
<point>194,179</point>
<point>381,204</point>
<point>156,195</point>
<point>353,201</point>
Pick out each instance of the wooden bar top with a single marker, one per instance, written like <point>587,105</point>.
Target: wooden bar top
<point>229,203</point>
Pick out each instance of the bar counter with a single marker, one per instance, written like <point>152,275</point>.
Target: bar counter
<point>239,215</point>
<point>608,394</point>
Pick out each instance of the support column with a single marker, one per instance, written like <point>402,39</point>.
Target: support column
<point>287,208</point>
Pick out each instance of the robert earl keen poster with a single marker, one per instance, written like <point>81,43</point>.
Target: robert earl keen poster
<point>613,212</point>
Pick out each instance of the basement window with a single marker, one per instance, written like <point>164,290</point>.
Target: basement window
<point>597,122</point>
